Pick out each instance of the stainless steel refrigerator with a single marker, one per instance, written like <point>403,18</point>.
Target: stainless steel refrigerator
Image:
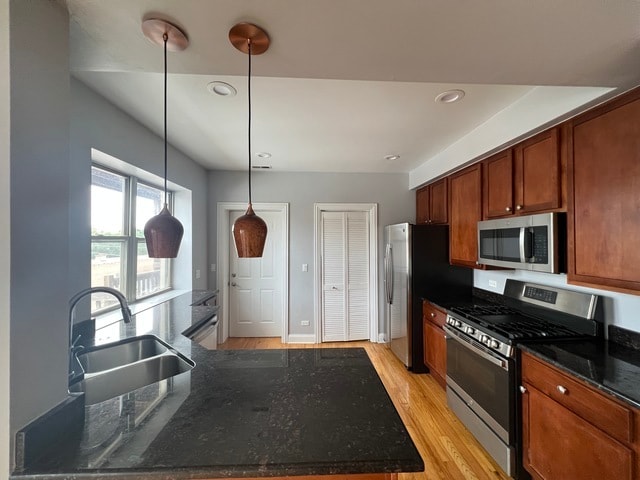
<point>416,266</point>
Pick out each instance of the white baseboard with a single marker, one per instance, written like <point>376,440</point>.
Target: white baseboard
<point>301,338</point>
<point>382,338</point>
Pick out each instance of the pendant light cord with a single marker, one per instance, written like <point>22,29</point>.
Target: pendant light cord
<point>249,129</point>
<point>166,38</point>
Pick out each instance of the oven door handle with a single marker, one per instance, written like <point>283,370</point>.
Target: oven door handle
<point>454,335</point>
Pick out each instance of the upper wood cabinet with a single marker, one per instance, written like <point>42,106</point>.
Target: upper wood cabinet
<point>498,185</point>
<point>465,202</point>
<point>604,188</point>
<point>526,179</point>
<point>566,435</point>
<point>431,203</point>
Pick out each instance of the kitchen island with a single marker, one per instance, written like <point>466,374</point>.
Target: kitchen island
<point>237,414</point>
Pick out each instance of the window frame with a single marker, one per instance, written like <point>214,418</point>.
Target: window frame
<point>129,239</point>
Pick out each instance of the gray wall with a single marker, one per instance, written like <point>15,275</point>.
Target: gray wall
<point>97,123</point>
<point>396,203</point>
<point>5,245</point>
<point>40,96</point>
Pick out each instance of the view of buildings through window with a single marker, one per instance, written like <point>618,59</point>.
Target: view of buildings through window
<point>120,207</point>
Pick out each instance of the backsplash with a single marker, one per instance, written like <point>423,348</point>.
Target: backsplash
<point>620,309</point>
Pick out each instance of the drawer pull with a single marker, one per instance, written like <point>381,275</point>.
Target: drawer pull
<point>562,390</point>
<point>433,315</point>
<point>523,389</point>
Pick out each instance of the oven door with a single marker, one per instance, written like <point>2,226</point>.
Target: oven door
<point>483,380</point>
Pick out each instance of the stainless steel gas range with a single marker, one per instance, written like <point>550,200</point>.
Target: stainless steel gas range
<point>483,364</point>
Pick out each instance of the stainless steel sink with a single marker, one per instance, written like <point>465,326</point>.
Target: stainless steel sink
<point>117,368</point>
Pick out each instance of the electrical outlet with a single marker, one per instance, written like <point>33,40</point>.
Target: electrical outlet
<point>305,267</point>
<point>213,267</point>
<point>493,284</point>
<point>197,274</point>
<point>304,323</point>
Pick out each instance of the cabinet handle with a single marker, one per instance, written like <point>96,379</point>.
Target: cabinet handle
<point>523,389</point>
<point>562,389</point>
<point>518,207</point>
<point>433,315</point>
<point>508,209</point>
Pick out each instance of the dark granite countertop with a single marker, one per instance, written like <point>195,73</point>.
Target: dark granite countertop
<point>238,413</point>
<point>608,366</point>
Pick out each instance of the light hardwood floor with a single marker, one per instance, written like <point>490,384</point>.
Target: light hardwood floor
<point>449,451</point>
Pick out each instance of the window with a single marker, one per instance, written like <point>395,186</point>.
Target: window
<point>120,206</point>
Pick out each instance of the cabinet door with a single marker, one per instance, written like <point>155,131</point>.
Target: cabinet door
<point>465,200</point>
<point>604,173</point>
<point>435,351</point>
<point>558,444</point>
<point>538,173</point>
<point>438,211</point>
<point>422,205</point>
<point>498,185</point>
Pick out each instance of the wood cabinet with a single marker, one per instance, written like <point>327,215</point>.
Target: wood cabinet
<point>435,347</point>
<point>498,185</point>
<point>526,179</point>
<point>538,174</point>
<point>431,203</point>
<point>465,210</point>
<point>570,430</point>
<point>604,186</point>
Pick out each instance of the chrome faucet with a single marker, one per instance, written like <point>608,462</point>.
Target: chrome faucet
<point>124,308</point>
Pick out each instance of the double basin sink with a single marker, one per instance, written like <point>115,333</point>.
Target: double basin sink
<point>117,368</point>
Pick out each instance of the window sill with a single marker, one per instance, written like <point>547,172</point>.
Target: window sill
<point>114,316</point>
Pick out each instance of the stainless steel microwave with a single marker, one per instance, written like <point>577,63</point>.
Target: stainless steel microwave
<point>529,242</point>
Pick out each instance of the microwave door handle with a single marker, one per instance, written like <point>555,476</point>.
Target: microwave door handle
<point>521,243</point>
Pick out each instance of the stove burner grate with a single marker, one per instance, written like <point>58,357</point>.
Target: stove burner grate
<point>510,323</point>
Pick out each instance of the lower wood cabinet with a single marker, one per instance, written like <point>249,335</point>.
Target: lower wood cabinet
<point>435,346</point>
<point>572,431</point>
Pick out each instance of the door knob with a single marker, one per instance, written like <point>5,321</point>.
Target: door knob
<point>233,275</point>
<point>233,284</point>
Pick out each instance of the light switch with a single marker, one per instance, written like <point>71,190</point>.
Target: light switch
<point>197,274</point>
<point>305,267</point>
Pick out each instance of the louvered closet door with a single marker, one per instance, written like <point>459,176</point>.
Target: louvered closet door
<point>345,276</point>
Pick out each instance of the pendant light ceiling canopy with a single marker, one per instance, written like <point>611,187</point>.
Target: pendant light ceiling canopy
<point>163,233</point>
<point>249,230</point>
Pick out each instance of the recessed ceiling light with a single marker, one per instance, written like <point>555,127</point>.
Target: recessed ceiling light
<point>263,155</point>
<point>450,96</point>
<point>222,88</point>
<point>392,157</point>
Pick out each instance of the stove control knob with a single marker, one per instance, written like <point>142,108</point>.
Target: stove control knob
<point>450,321</point>
<point>484,339</point>
<point>458,324</point>
<point>495,344</point>
<point>470,330</point>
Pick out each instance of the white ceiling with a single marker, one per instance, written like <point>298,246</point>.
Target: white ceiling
<point>346,82</point>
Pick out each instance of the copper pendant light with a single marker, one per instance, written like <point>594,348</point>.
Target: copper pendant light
<point>249,230</point>
<point>163,232</point>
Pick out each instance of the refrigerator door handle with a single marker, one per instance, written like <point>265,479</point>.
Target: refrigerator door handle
<point>390,274</point>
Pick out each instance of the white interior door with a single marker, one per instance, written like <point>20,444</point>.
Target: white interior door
<point>345,276</point>
<point>255,284</point>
